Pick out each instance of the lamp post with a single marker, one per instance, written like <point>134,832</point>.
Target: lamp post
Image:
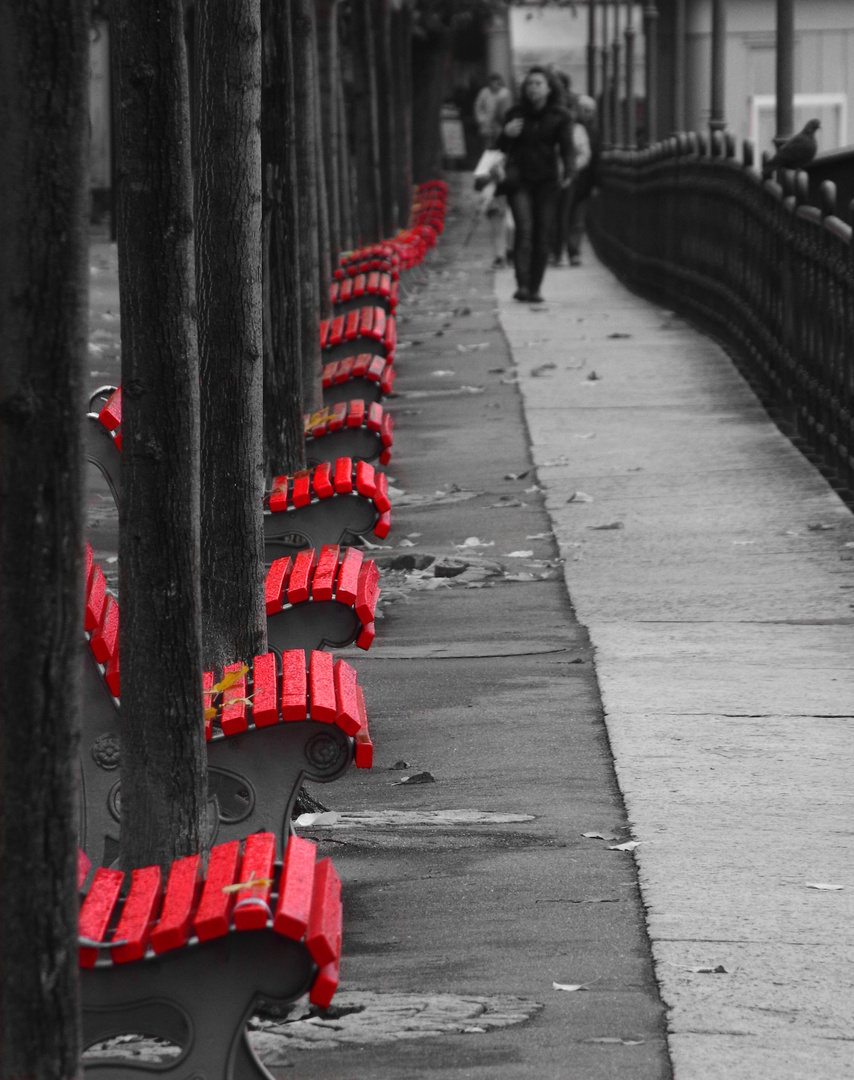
<point>680,119</point>
<point>616,115</point>
<point>785,69</point>
<point>591,48</point>
<point>605,111</point>
<point>717,121</point>
<point>631,118</point>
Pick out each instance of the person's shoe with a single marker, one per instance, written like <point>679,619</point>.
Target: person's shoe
<point>523,295</point>
<point>575,260</point>
<point>498,262</point>
<point>535,298</point>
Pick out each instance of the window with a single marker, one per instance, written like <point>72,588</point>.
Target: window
<point>830,109</point>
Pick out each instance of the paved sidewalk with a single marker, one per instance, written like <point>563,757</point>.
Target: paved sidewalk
<point>713,568</point>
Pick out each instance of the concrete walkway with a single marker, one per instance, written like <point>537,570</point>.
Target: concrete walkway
<point>713,568</point>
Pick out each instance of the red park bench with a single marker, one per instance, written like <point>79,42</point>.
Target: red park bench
<point>355,429</point>
<point>365,376</point>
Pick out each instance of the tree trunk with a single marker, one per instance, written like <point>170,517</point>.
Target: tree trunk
<point>366,126</point>
<point>44,69</point>
<point>284,430</point>
<point>164,761</point>
<point>228,277</point>
<point>429,66</point>
<point>388,106</point>
<point>345,174</point>
<point>305,93</point>
<point>401,48</point>
<point>328,70</point>
<point>323,229</point>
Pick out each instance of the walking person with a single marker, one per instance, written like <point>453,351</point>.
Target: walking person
<point>572,204</point>
<point>537,134</point>
<point>490,107</point>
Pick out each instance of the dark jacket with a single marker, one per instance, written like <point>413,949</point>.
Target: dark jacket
<point>533,151</point>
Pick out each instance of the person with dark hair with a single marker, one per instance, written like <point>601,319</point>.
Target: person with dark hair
<point>490,105</point>
<point>537,133</point>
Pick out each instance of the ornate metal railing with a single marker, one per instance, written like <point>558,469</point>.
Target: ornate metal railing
<point>769,275</point>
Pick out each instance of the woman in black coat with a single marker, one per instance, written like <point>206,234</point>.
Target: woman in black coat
<point>536,133</point>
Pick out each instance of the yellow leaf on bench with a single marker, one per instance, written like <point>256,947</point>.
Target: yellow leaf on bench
<point>253,883</point>
<point>230,679</point>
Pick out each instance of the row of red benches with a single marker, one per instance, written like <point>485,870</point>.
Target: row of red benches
<point>291,714</point>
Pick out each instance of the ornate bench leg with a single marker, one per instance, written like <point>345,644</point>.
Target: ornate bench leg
<point>322,624</point>
<point>200,997</point>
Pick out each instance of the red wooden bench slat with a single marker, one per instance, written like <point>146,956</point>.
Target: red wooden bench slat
<point>276,584</point>
<point>95,600</point>
<point>390,339</point>
<point>374,282</point>
<point>364,755</point>
<point>361,364</point>
<point>302,488</point>
<point>265,710</point>
<point>336,332</point>
<point>105,639</point>
<point>112,676</point>
<point>111,414</point>
<point>334,292</point>
<point>387,429</point>
<point>138,914</point>
<point>375,416</point>
<point>376,368</point>
<point>182,890</point>
<point>323,585</point>
<point>325,984</point>
<point>366,322</point>
<point>96,910</point>
<point>366,635</point>
<point>338,416</point>
<point>294,685</point>
<point>351,329</point>
<point>383,526</point>
<point>348,576</point>
<point>322,481</point>
<point>324,332</point>
<point>233,717</point>
<point>322,687</point>
<point>279,495</point>
<point>214,910</point>
<point>385,285</point>
<point>345,370</point>
<point>379,327</point>
<point>324,933</point>
<point>343,478</point>
<point>356,413</point>
<point>367,591</point>
<point>347,702</point>
<point>359,284</point>
<point>84,865</point>
<point>296,885</point>
<point>346,290</point>
<point>90,562</point>
<point>299,586</point>
<point>381,498</point>
<point>327,377</point>
<point>388,377</point>
<point>365,479</point>
<point>252,908</point>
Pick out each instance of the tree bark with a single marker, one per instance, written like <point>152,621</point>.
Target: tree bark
<point>44,70</point>
<point>323,228</point>
<point>387,107</point>
<point>228,280</point>
<point>164,761</point>
<point>365,122</point>
<point>328,70</point>
<point>305,93</point>
<point>284,430</point>
<point>401,30</point>
<point>429,64</point>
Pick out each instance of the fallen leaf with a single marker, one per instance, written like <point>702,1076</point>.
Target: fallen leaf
<point>586,435</point>
<point>475,541</point>
<point>440,374</point>
<point>629,845</point>
<point>520,577</point>
<point>519,554</point>
<point>229,680</point>
<point>562,460</point>
<point>598,836</point>
<point>568,986</point>
<point>718,970</point>
<point>540,536</point>
<point>602,528</point>
<point>516,476</point>
<point>619,335</point>
<point>506,501</point>
<point>820,527</point>
<point>472,348</point>
<point>406,543</point>
<point>621,1042</point>
<point>593,377</point>
<point>416,778</point>
<point>580,497</point>
<point>537,372</point>
<point>252,883</point>
<point>824,886</point>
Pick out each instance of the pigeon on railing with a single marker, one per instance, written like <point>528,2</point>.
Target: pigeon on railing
<point>796,152</point>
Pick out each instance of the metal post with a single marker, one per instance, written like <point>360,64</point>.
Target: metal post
<point>680,119</point>
<point>717,121</point>
<point>631,109</point>
<point>591,48</point>
<point>785,69</point>
<point>605,109</point>
<point>650,21</point>
<point>616,113</point>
